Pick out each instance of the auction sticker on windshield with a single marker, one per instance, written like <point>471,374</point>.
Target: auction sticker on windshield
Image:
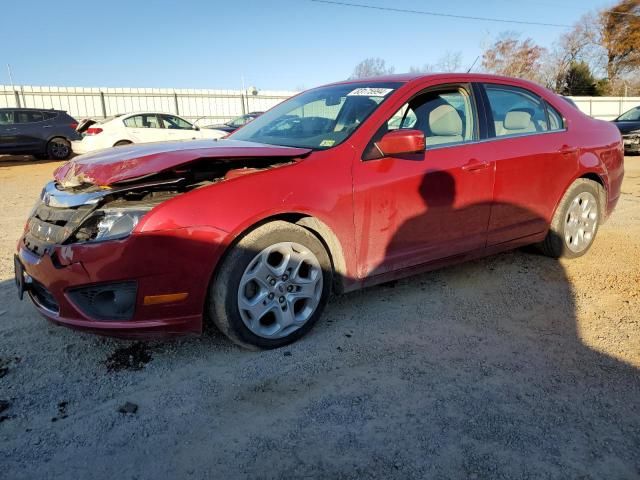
<point>370,92</point>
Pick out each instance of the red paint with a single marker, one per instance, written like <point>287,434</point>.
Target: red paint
<point>106,167</point>
<point>391,216</point>
<point>402,141</point>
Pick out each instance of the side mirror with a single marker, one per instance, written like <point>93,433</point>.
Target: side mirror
<point>402,141</point>
<point>196,128</point>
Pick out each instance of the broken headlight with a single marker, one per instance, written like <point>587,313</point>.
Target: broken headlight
<point>110,224</point>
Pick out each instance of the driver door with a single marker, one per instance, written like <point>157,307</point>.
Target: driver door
<point>418,208</point>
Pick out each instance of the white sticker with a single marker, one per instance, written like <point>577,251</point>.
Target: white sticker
<point>327,143</point>
<point>370,92</point>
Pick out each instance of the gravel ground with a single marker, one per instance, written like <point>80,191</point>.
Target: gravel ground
<point>516,366</point>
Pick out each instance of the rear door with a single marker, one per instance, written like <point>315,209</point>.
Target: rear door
<point>534,158</point>
<point>30,132</point>
<point>145,127</point>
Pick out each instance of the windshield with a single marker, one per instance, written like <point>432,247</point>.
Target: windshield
<point>240,121</point>
<point>632,115</point>
<point>320,118</point>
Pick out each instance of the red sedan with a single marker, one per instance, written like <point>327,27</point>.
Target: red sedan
<point>340,187</point>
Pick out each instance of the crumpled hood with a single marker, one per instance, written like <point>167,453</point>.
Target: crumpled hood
<point>132,162</point>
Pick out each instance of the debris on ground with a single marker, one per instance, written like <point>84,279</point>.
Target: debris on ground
<point>133,357</point>
<point>128,408</point>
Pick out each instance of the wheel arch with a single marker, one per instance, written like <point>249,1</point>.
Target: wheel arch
<point>320,229</point>
<point>604,191</point>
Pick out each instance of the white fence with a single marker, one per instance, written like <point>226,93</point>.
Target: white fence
<point>606,108</point>
<point>203,106</point>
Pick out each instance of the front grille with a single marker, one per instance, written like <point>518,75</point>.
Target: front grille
<point>43,297</point>
<point>50,226</point>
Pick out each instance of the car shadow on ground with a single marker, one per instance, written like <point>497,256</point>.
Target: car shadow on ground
<point>472,371</point>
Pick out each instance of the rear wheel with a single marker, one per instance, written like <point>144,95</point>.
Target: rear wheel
<point>575,223</point>
<point>58,149</point>
<point>271,287</point>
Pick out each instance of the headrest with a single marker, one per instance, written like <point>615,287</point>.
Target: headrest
<point>445,121</point>
<point>517,119</point>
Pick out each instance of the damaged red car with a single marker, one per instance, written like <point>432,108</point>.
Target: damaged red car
<point>340,187</point>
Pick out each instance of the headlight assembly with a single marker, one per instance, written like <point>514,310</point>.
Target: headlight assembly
<point>110,224</point>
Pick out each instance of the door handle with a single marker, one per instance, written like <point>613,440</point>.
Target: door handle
<point>48,126</point>
<point>10,129</point>
<point>474,165</point>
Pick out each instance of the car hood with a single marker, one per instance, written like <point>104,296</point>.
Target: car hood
<point>135,162</point>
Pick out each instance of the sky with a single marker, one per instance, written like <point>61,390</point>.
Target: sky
<point>272,45</point>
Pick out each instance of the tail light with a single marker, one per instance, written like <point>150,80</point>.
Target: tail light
<point>74,125</point>
<point>93,131</point>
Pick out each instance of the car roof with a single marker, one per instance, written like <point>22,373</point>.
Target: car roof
<point>454,77</point>
<point>25,109</point>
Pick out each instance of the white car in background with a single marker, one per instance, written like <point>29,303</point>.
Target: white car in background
<point>139,127</point>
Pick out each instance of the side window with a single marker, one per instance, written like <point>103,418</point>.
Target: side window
<point>142,121</point>
<point>169,121</point>
<point>516,111</point>
<point>445,116</point>
<point>49,115</point>
<point>6,117</point>
<point>556,122</point>
<point>28,117</point>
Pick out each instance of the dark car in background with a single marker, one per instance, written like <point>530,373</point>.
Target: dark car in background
<point>38,132</point>
<point>232,125</point>
<point>629,125</point>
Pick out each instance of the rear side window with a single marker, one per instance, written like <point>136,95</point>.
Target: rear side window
<point>516,111</point>
<point>169,121</point>
<point>556,122</point>
<point>29,117</point>
<point>6,117</point>
<point>50,115</point>
<point>142,121</point>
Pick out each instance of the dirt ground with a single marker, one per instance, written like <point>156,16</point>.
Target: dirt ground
<point>516,366</point>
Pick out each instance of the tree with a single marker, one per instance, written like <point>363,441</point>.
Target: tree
<point>371,67</point>
<point>514,58</point>
<point>621,38</point>
<point>449,62</point>
<point>578,45</point>
<point>578,80</point>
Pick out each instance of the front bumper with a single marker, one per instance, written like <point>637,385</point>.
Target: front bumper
<point>160,263</point>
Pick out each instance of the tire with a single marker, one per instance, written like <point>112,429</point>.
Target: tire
<point>257,269</point>
<point>58,149</point>
<point>576,220</point>
<point>122,142</point>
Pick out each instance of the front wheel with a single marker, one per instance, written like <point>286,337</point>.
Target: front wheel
<point>575,223</point>
<point>271,287</point>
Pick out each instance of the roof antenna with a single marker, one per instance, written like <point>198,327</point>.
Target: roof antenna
<point>474,62</point>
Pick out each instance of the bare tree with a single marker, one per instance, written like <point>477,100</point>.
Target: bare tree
<point>580,45</point>
<point>371,67</point>
<point>449,62</point>
<point>514,58</point>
